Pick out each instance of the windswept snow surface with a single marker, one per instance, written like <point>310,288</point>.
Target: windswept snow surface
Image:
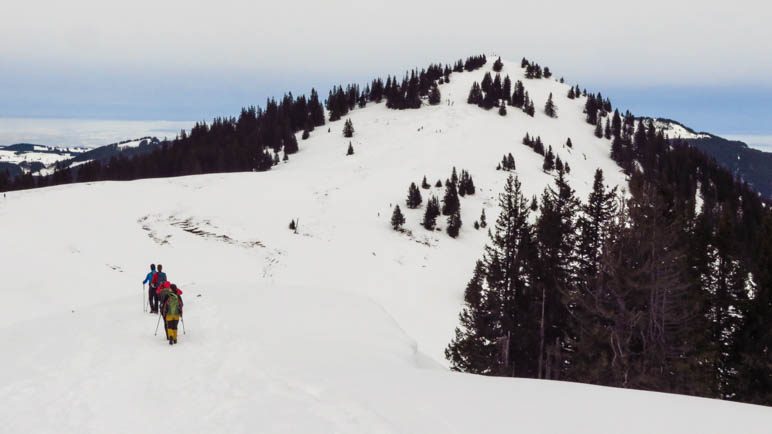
<point>339,328</point>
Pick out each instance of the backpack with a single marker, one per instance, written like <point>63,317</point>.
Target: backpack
<point>158,279</point>
<point>173,304</point>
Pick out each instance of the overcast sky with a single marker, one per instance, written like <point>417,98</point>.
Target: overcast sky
<point>700,62</point>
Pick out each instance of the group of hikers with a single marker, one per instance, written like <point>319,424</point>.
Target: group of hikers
<point>165,296</point>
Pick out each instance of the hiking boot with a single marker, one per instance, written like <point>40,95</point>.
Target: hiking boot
<point>171,341</point>
<point>175,341</point>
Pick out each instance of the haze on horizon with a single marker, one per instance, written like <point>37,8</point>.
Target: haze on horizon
<point>708,66</point>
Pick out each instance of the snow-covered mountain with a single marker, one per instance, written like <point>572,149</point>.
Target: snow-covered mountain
<point>339,326</point>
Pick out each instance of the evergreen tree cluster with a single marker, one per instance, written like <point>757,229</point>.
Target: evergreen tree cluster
<point>534,71</point>
<point>507,163</point>
<point>414,198</point>
<point>644,293</point>
<point>348,128</point>
<point>534,143</point>
<point>465,184</point>
<point>498,65</point>
<point>495,92</point>
<point>596,108</point>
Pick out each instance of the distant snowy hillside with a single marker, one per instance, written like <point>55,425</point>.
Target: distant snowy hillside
<point>339,327</point>
<point>42,160</point>
<point>675,130</point>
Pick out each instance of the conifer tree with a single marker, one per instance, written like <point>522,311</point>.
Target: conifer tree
<point>549,108</point>
<point>600,208</point>
<point>450,202</point>
<point>483,221</point>
<point>529,108</point>
<point>506,90</point>
<point>290,143</point>
<point>413,196</point>
<point>475,95</point>
<point>438,184</point>
<point>556,274</point>
<point>549,161</point>
<point>497,65</point>
<point>431,213</point>
<point>425,185</point>
<point>350,150</point>
<point>607,129</point>
<point>599,128</point>
<point>473,349</point>
<point>454,176</point>
<point>571,93</point>
<point>503,109</point>
<point>435,97</point>
<point>348,128</point>
<point>569,144</point>
<point>616,124</point>
<point>397,219</point>
<point>558,164</point>
<point>454,224</point>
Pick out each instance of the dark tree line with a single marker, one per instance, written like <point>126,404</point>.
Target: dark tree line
<point>644,292</point>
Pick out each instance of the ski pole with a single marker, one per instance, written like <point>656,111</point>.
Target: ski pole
<point>156,325</point>
<point>144,305</point>
<point>183,325</point>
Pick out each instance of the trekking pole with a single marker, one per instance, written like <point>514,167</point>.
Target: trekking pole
<point>156,325</point>
<point>183,325</point>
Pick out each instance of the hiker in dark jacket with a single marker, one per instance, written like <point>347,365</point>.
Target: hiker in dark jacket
<point>151,296</point>
<point>171,309</point>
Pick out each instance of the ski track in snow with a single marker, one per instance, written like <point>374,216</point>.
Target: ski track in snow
<point>338,328</point>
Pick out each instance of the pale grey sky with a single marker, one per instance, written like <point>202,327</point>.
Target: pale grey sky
<point>192,59</point>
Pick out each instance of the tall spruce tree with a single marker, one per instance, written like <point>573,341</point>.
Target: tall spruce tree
<point>601,206</point>
<point>555,278</point>
<point>473,349</point>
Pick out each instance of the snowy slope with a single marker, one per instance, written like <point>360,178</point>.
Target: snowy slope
<point>338,328</point>
<point>675,130</point>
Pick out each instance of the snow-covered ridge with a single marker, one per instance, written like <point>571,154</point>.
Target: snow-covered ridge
<point>675,130</point>
<point>337,327</point>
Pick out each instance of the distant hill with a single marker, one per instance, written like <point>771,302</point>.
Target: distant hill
<point>751,165</point>
<point>37,159</point>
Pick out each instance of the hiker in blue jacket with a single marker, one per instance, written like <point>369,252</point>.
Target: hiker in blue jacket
<point>151,295</point>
